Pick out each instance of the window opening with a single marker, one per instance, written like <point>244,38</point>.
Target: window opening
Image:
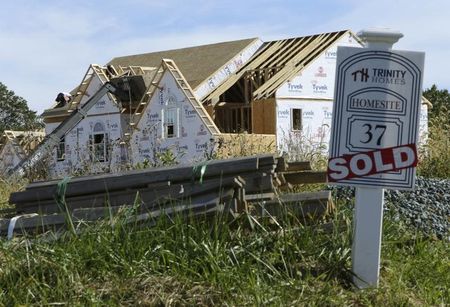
<point>296,116</point>
<point>61,150</point>
<point>99,144</point>
<point>171,116</point>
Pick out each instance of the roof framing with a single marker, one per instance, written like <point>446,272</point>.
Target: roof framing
<point>104,74</point>
<point>288,57</point>
<point>24,141</point>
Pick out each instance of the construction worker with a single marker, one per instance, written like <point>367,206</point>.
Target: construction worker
<point>63,99</point>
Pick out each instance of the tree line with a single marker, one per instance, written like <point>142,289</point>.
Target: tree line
<point>14,112</point>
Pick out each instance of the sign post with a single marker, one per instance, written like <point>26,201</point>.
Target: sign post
<point>374,135</point>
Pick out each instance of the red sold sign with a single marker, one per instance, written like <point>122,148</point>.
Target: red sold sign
<point>372,162</point>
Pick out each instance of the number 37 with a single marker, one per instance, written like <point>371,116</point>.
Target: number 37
<point>379,130</point>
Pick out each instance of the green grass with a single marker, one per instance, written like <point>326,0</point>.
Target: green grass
<point>6,188</point>
<point>241,262</point>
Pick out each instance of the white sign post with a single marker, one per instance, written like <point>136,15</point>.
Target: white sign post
<point>374,135</point>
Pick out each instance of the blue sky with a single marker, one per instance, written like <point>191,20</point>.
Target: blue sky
<point>47,45</point>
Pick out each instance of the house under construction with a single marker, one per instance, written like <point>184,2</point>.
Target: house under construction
<point>278,94</point>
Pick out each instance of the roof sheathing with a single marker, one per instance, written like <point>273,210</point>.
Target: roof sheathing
<point>197,63</point>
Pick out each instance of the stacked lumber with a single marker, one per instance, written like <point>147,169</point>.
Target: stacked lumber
<point>218,186</point>
<point>153,186</point>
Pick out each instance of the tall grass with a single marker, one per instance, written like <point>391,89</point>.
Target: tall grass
<point>235,262</point>
<point>6,188</point>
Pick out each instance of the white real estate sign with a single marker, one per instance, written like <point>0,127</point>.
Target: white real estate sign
<point>376,118</point>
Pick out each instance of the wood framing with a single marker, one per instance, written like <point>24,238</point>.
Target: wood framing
<point>264,116</point>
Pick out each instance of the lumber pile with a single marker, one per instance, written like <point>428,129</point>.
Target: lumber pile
<point>219,186</point>
<point>292,173</point>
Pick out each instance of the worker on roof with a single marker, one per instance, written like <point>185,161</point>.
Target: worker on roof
<point>63,99</point>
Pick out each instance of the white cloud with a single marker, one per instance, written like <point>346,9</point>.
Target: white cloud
<point>47,45</point>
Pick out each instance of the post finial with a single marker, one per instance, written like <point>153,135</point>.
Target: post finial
<point>382,38</point>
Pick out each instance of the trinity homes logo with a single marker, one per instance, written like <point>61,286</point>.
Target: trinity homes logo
<point>363,73</point>
<point>380,75</point>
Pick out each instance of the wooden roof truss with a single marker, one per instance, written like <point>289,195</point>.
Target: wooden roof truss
<point>94,70</point>
<point>104,73</point>
<point>277,62</point>
<point>23,141</point>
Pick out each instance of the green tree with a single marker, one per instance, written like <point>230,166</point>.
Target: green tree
<point>14,112</point>
<point>441,103</point>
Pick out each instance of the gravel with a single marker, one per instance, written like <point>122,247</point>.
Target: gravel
<point>426,208</point>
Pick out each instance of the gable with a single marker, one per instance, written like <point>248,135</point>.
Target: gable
<point>168,82</point>
<point>172,120</point>
<point>104,105</point>
<point>94,85</point>
<point>169,92</point>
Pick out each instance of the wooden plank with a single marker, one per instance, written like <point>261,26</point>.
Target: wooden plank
<point>205,205</point>
<point>259,196</point>
<point>282,164</point>
<point>213,165</point>
<point>142,178</point>
<point>199,210</point>
<point>147,196</point>
<point>39,221</point>
<point>282,54</point>
<point>258,183</point>
<point>92,214</point>
<point>306,196</point>
<point>278,178</point>
<point>298,166</point>
<point>263,116</point>
<point>306,177</point>
<point>191,204</point>
<point>295,52</point>
<point>254,62</point>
